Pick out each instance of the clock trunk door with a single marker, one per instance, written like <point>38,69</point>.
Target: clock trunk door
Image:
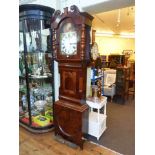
<point>73,84</point>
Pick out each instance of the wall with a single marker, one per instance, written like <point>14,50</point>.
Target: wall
<point>112,45</point>
<point>99,5</point>
<point>49,3</point>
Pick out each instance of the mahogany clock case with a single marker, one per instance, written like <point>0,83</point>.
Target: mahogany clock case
<point>71,110</point>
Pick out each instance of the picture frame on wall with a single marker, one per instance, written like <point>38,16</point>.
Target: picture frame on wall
<point>127,53</point>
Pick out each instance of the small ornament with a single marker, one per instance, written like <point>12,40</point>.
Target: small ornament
<point>94,51</point>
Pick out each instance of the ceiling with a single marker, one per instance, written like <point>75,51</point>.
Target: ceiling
<point>120,21</point>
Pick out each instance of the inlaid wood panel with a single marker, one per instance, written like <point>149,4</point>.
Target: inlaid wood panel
<point>73,83</point>
<point>69,82</point>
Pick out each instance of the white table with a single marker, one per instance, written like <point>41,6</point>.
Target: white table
<point>97,120</point>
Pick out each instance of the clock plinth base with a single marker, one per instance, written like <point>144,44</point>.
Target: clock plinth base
<point>70,121</point>
<point>63,141</point>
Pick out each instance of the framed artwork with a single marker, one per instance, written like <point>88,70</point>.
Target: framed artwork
<point>127,53</point>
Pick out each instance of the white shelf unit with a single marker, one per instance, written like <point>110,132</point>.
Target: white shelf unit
<point>97,120</point>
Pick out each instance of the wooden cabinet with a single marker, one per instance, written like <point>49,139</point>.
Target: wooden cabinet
<point>132,71</point>
<point>122,83</point>
<point>103,60</point>
<point>115,60</point>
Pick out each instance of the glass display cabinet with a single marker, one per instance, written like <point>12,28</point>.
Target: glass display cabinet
<point>36,75</point>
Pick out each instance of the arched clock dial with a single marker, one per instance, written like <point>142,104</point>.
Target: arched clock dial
<point>68,43</point>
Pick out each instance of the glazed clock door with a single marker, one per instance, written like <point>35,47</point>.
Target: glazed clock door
<point>68,40</point>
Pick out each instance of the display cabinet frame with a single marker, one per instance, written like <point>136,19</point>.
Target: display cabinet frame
<point>36,66</point>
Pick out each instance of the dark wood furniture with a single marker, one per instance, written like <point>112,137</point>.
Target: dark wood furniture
<point>122,83</point>
<point>132,71</point>
<point>73,58</point>
<point>116,60</point>
<point>103,59</point>
<point>131,91</point>
<point>93,36</point>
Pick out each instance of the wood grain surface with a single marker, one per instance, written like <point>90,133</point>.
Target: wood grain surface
<point>45,144</point>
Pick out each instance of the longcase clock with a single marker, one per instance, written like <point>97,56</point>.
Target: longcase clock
<point>71,45</point>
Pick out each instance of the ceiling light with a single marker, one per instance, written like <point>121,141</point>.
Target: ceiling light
<point>112,34</point>
<point>127,35</point>
<point>118,18</point>
<point>107,34</point>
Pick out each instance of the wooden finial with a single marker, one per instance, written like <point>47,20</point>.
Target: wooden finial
<point>66,10</point>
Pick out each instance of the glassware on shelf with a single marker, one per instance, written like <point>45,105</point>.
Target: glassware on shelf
<point>21,64</point>
<point>24,102</point>
<point>40,104</point>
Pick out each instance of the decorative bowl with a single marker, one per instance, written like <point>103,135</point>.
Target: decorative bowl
<point>40,104</point>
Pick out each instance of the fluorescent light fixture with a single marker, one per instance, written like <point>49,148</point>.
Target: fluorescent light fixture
<point>127,35</point>
<point>107,34</point>
<point>112,34</point>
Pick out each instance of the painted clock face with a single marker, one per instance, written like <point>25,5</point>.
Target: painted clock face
<point>68,40</point>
